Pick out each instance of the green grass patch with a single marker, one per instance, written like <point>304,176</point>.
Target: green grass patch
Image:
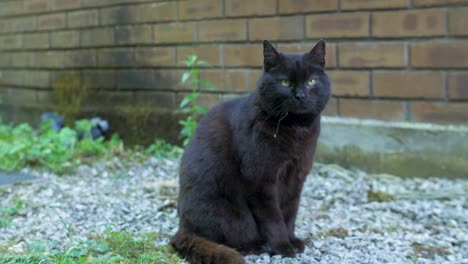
<point>110,247</point>
<point>8,213</point>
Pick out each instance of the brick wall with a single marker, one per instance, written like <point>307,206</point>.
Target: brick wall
<point>388,59</point>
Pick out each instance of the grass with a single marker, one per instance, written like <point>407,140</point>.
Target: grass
<point>8,213</point>
<point>109,247</point>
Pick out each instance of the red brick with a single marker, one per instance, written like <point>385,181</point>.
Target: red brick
<point>305,6</point>
<point>170,79</point>
<point>331,109</point>
<point>5,59</point>
<point>243,55</point>
<point>382,110</point>
<point>85,18</point>
<point>11,8</point>
<point>222,30</point>
<point>54,21</point>
<point>133,34</point>
<point>136,79</point>
<point>64,4</point>
<point>418,3</point>
<point>22,59</point>
<point>174,32</point>
<point>36,78</point>
<point>421,84</point>
<point>207,100</point>
<point>50,59</point>
<point>80,58</point>
<point>349,83</point>
<point>226,80</point>
<point>11,42</point>
<point>446,113</point>
<point>99,78</point>
<point>458,85</point>
<point>250,7</point>
<point>276,28</point>
<point>21,24</point>
<point>372,4</point>
<point>458,22</point>
<point>199,9</point>
<point>33,6</point>
<point>36,41</point>
<point>156,12</point>
<point>357,55</point>
<point>158,100</point>
<point>440,54</point>
<point>65,39</point>
<point>120,57</point>
<point>330,54</point>
<point>118,15</point>
<point>208,53</point>
<point>337,25</point>
<point>155,56</point>
<point>428,22</point>
<point>253,77</point>
<point>97,37</point>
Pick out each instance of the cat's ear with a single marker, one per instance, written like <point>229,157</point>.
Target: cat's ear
<point>317,54</point>
<point>271,57</point>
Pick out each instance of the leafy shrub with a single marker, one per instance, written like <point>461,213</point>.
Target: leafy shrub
<point>21,146</point>
<point>189,105</point>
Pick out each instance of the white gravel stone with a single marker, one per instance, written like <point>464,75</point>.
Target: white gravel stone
<point>141,198</point>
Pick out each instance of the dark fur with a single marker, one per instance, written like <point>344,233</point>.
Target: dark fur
<point>239,183</point>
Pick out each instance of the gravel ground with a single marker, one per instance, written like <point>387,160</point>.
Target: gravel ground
<point>426,223</point>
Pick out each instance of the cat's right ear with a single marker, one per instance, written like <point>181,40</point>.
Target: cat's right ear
<point>271,57</point>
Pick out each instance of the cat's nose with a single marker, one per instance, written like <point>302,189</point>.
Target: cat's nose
<point>299,95</point>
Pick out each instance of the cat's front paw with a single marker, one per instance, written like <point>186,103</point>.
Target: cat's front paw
<point>298,244</point>
<point>284,249</point>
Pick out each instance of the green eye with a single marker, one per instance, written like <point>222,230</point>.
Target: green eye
<point>311,82</point>
<point>285,83</point>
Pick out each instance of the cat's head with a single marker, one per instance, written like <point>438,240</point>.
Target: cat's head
<point>294,83</point>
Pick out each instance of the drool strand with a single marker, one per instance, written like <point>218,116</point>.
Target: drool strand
<point>277,126</point>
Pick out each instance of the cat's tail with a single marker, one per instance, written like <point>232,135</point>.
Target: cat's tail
<point>199,250</point>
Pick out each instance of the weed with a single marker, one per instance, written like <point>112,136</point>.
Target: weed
<point>109,247</point>
<point>7,214</point>
<point>428,251</point>
<point>21,146</point>
<point>379,196</point>
<point>188,105</point>
<point>336,232</point>
<point>162,149</point>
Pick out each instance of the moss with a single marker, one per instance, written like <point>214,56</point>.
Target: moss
<point>379,196</point>
<point>69,94</point>
<point>335,232</point>
<point>428,251</point>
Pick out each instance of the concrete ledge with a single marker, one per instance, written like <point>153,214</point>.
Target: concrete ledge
<point>403,149</point>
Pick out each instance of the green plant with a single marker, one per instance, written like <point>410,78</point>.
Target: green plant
<point>189,105</point>
<point>109,247</point>
<point>162,149</point>
<point>22,146</point>
<point>8,213</point>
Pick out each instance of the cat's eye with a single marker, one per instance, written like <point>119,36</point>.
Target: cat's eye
<point>310,82</point>
<point>285,83</point>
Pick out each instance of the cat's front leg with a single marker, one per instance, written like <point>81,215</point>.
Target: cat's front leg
<point>265,208</point>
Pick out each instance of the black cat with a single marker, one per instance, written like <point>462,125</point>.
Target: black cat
<point>242,173</point>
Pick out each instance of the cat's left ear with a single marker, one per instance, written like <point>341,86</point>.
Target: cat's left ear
<point>271,57</point>
<point>317,54</point>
